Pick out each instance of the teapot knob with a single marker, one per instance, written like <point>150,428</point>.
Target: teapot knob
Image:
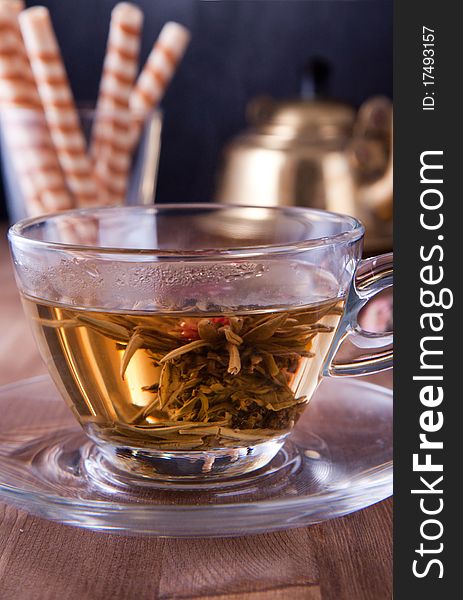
<point>316,79</point>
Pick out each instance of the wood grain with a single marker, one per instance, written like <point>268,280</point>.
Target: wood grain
<point>343,559</point>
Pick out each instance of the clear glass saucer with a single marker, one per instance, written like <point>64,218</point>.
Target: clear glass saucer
<point>337,460</point>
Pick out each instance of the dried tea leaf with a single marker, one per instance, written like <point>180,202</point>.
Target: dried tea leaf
<point>164,381</point>
<point>151,388</point>
<point>271,365</point>
<point>232,337</point>
<point>265,330</point>
<point>208,331</point>
<point>59,323</point>
<point>221,379</point>
<point>203,431</point>
<point>105,327</point>
<point>234,363</point>
<point>184,349</point>
<point>135,343</point>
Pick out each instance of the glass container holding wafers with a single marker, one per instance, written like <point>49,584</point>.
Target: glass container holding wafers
<point>20,158</point>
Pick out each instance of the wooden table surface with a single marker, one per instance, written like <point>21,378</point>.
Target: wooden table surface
<point>342,559</point>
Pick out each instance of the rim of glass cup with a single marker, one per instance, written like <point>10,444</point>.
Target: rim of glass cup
<point>354,231</point>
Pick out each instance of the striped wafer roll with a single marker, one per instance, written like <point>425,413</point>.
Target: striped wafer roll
<point>17,86</point>
<point>56,96</point>
<point>158,71</point>
<point>16,5</point>
<point>24,127</point>
<point>111,133</point>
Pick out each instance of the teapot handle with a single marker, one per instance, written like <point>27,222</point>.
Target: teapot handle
<point>376,115</point>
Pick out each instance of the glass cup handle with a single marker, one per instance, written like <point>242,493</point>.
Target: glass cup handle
<point>372,276</point>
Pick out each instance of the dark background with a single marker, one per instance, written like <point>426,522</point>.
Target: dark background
<point>239,49</point>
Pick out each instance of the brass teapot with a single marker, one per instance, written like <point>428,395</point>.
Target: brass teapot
<point>316,153</point>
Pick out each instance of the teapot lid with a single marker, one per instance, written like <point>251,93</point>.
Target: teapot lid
<point>301,118</point>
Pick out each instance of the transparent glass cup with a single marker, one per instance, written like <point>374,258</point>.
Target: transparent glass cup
<point>188,339</point>
<point>22,153</point>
